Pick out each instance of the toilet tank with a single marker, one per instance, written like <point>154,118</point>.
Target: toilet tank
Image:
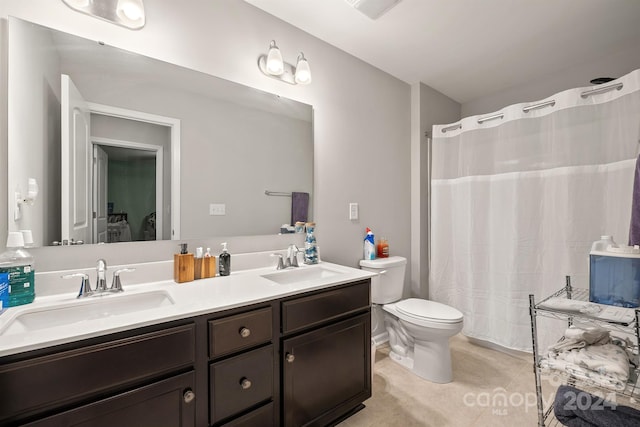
<point>388,285</point>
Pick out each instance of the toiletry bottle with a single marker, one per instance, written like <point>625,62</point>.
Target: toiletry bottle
<point>310,245</point>
<point>383,248</point>
<point>225,261</point>
<point>183,265</point>
<point>18,265</point>
<point>369,245</point>
<point>198,265</point>
<point>209,264</point>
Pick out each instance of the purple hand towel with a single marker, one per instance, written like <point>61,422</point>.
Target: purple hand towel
<point>634,228</point>
<point>299,207</point>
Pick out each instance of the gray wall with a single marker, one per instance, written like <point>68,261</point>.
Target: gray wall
<point>428,107</point>
<point>361,118</point>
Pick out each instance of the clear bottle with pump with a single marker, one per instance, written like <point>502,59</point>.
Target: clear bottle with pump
<point>225,261</point>
<point>18,264</point>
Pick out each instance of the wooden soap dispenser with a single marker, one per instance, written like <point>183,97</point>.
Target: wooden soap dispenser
<point>183,268</point>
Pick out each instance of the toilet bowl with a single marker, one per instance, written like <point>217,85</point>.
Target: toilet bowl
<point>419,329</point>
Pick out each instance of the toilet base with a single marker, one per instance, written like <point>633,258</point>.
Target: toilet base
<point>434,360</point>
<point>431,360</point>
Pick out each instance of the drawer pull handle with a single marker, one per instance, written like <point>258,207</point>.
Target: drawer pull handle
<point>245,332</point>
<point>245,383</point>
<point>188,396</point>
<point>290,357</point>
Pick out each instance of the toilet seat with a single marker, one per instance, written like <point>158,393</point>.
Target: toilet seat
<point>431,311</point>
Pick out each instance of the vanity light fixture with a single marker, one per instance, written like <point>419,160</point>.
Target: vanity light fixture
<point>127,13</point>
<point>272,65</point>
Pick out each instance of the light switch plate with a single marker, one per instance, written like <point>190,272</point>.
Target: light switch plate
<point>353,211</point>
<point>217,209</point>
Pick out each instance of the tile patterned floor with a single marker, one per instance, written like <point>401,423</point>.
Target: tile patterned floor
<point>489,388</point>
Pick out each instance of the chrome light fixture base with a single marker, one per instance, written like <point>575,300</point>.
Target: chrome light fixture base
<point>288,73</point>
<point>126,13</point>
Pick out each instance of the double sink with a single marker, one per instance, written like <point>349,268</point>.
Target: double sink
<point>36,318</point>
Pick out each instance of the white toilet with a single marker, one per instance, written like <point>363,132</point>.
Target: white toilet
<point>419,330</point>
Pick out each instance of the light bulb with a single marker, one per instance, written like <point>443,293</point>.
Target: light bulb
<point>131,10</point>
<point>303,72</point>
<point>275,65</point>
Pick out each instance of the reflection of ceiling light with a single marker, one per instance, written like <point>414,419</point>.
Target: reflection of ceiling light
<point>127,13</point>
<point>273,66</point>
<point>374,9</point>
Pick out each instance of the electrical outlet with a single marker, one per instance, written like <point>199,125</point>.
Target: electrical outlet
<point>217,209</point>
<point>353,211</point>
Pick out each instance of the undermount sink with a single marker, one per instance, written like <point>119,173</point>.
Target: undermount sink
<point>91,308</point>
<point>301,274</point>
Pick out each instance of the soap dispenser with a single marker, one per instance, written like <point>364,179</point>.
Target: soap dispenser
<point>183,265</point>
<point>225,261</point>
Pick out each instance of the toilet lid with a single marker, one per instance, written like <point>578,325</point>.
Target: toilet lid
<point>430,310</point>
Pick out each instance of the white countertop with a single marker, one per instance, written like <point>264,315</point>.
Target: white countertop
<point>189,299</point>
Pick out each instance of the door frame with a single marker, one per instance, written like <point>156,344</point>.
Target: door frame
<point>159,152</point>
<point>174,127</point>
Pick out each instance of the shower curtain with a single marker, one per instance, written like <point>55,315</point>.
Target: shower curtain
<point>517,198</point>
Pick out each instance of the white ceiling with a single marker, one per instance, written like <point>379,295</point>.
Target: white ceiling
<point>467,49</point>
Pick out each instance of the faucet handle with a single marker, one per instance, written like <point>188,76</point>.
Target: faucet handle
<point>85,286</point>
<point>280,265</point>
<point>293,255</point>
<point>116,285</point>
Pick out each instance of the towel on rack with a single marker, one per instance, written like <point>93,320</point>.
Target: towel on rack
<point>299,207</point>
<point>576,408</point>
<point>634,227</point>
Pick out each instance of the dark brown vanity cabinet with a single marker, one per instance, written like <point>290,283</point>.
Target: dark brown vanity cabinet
<point>142,379</point>
<point>242,375</point>
<point>300,360</point>
<point>326,355</point>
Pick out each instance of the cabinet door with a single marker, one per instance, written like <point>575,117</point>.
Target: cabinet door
<point>169,403</point>
<point>326,372</point>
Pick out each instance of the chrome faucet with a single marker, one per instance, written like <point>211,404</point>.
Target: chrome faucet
<point>116,285</point>
<point>85,286</point>
<point>292,256</point>
<point>101,286</point>
<point>280,265</point>
<point>101,273</point>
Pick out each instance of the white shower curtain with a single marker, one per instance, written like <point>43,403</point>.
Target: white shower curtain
<point>517,198</point>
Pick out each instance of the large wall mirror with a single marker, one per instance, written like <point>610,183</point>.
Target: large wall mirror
<point>128,148</point>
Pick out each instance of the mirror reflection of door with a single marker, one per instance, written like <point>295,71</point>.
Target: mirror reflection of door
<point>76,131</point>
<point>112,189</point>
<point>100,191</point>
<point>129,189</point>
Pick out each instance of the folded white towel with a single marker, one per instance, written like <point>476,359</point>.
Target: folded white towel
<point>605,364</point>
<point>576,338</point>
<point>609,313</point>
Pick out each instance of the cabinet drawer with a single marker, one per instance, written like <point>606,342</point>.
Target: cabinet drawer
<point>240,331</point>
<point>314,309</point>
<point>261,417</point>
<point>41,383</point>
<point>160,404</point>
<point>240,382</point>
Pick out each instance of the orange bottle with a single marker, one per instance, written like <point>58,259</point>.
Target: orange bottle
<point>383,248</point>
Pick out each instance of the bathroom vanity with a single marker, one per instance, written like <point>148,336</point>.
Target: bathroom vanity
<point>295,354</point>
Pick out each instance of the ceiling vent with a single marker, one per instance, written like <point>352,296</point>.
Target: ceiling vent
<point>374,9</point>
